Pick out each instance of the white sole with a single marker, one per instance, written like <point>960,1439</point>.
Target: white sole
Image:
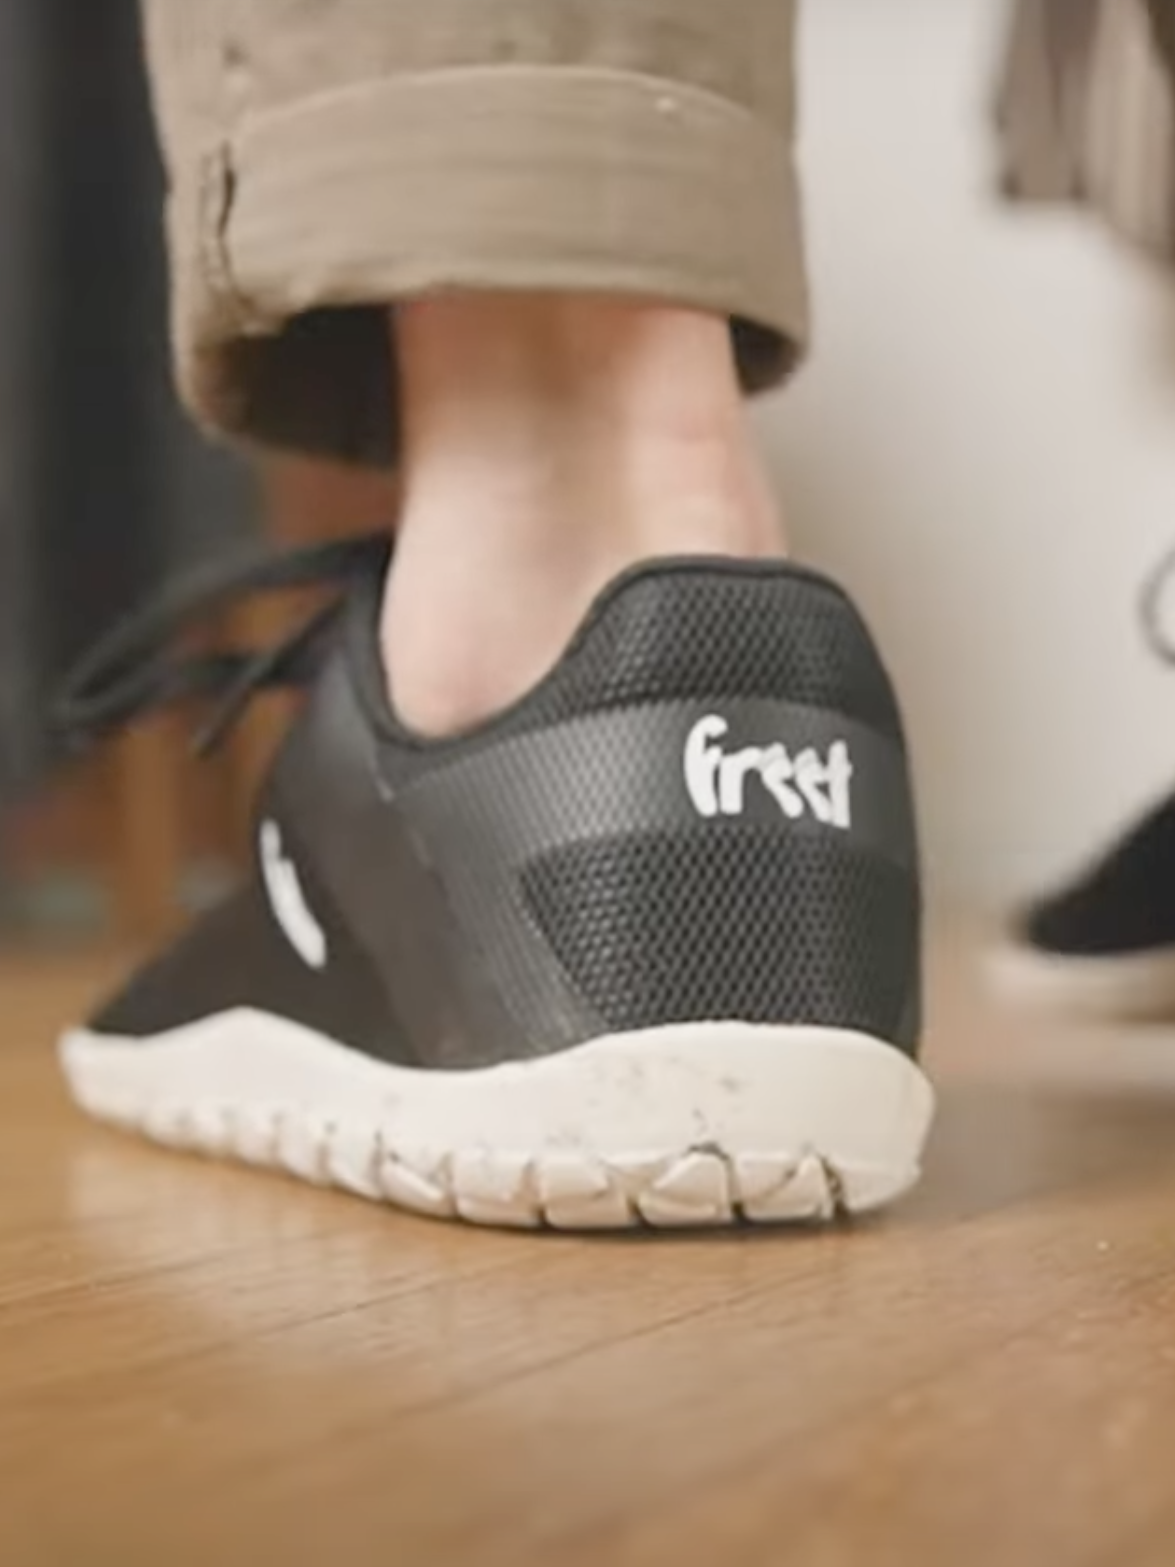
<point>699,1124</point>
<point>1138,987</point>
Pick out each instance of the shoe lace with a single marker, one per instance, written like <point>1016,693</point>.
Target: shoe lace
<point>131,671</point>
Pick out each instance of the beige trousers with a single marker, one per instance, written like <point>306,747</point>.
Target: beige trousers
<point>1087,112</point>
<point>328,157</point>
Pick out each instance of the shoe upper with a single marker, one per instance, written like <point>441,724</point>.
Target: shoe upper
<point>702,813</point>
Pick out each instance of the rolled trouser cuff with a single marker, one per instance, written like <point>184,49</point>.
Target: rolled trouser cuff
<point>318,216</point>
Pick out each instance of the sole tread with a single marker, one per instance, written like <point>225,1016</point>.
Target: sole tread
<point>563,1191</point>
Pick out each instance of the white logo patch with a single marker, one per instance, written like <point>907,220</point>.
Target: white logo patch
<point>288,901</point>
<point>803,784</point>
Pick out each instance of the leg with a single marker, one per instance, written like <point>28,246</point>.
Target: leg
<point>561,375</point>
<point>550,442</point>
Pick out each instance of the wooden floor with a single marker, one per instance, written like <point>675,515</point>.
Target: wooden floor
<point>201,1365</point>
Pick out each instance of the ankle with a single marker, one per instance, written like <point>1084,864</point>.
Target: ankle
<point>549,443</point>
<point>531,402</point>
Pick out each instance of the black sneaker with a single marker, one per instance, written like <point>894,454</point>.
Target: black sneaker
<point>1103,944</point>
<point>642,949</point>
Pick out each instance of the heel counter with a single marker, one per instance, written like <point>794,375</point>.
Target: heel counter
<point>702,814</point>
<point>775,876</point>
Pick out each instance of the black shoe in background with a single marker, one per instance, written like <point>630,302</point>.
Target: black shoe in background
<point>1103,944</point>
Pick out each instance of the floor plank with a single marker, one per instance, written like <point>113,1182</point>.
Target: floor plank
<point>202,1364</point>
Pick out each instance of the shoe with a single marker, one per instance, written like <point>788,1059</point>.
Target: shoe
<point>643,949</point>
<point>1103,944</point>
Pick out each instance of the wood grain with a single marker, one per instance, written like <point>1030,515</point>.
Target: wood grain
<point>199,1364</point>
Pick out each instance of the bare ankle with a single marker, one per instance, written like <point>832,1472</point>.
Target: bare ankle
<point>550,442</point>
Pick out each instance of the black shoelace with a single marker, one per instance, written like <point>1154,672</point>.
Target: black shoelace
<point>132,671</point>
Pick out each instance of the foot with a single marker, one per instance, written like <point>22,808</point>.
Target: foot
<point>1103,944</point>
<point>642,949</point>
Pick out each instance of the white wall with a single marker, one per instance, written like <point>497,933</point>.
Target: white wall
<point>983,447</point>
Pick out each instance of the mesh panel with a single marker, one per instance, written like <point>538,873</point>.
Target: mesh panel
<point>699,633</point>
<point>732,922</point>
<point>652,914</point>
<point>713,635</point>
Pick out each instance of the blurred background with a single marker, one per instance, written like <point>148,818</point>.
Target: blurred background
<point>983,445</point>
<point>984,441</point>
<point>107,491</point>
